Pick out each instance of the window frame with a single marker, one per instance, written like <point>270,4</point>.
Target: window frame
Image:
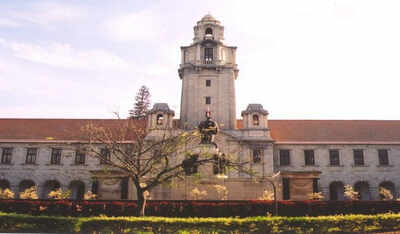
<point>31,155</point>
<point>55,158</point>
<point>107,156</point>
<point>80,157</point>
<point>6,155</point>
<point>281,159</point>
<point>208,100</point>
<point>257,154</point>
<point>334,157</point>
<point>309,157</point>
<point>358,161</point>
<point>385,160</point>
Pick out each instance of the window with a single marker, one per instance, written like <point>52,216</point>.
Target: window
<point>286,188</point>
<point>257,155</point>
<point>208,83</point>
<point>160,119</point>
<point>358,157</point>
<point>105,156</point>
<point>55,157</point>
<point>6,155</point>
<point>208,31</point>
<point>208,100</point>
<point>284,157</point>
<point>31,156</point>
<point>383,157</point>
<point>256,120</point>
<point>124,187</point>
<point>334,157</point>
<point>208,55</point>
<point>309,157</point>
<point>80,157</point>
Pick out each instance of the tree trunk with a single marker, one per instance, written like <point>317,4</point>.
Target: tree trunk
<point>141,202</point>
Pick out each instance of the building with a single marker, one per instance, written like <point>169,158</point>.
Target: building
<point>310,155</point>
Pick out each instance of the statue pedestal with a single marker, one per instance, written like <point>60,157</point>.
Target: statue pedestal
<point>207,150</point>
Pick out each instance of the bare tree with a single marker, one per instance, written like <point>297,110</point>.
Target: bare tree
<point>142,104</point>
<point>149,163</point>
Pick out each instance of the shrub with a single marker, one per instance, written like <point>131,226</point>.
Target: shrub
<point>29,193</point>
<point>6,194</point>
<point>324,224</point>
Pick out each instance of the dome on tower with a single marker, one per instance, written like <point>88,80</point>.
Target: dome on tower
<point>208,19</point>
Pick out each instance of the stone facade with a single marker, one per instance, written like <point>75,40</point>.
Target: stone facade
<point>298,157</point>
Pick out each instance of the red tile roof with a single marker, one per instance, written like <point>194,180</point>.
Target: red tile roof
<point>371,131</point>
<point>52,129</point>
<point>282,131</point>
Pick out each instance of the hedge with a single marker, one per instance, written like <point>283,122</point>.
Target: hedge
<point>186,208</point>
<point>323,224</point>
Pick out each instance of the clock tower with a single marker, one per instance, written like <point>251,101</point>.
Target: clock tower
<point>208,71</point>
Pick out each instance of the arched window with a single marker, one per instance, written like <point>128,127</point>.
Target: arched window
<point>160,119</point>
<point>209,31</point>
<point>362,187</point>
<point>336,191</point>
<point>4,184</point>
<point>256,120</point>
<point>388,185</point>
<point>77,189</point>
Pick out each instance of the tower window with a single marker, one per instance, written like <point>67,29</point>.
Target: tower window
<point>256,120</point>
<point>208,83</point>
<point>160,119</point>
<point>209,31</point>
<point>208,100</point>
<point>208,55</point>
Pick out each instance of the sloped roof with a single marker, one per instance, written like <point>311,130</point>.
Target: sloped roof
<point>371,131</point>
<point>282,131</point>
<point>53,129</point>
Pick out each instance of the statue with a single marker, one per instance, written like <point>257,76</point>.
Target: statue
<point>208,129</point>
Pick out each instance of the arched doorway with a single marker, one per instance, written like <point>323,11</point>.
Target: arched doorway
<point>25,184</point>
<point>336,191</point>
<point>4,184</point>
<point>49,186</point>
<point>77,189</point>
<point>362,187</point>
<point>389,186</point>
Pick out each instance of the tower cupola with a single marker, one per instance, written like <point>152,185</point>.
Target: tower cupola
<point>160,117</point>
<point>255,117</point>
<point>207,29</point>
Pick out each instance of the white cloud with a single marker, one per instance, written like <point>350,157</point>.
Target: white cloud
<point>142,25</point>
<point>46,13</point>
<point>4,22</point>
<point>65,56</point>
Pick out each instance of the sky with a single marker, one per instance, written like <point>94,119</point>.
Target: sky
<point>321,59</point>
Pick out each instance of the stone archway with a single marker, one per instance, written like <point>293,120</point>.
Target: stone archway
<point>336,191</point>
<point>24,185</point>
<point>389,185</point>
<point>77,189</point>
<point>4,184</point>
<point>362,187</point>
<point>49,186</point>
